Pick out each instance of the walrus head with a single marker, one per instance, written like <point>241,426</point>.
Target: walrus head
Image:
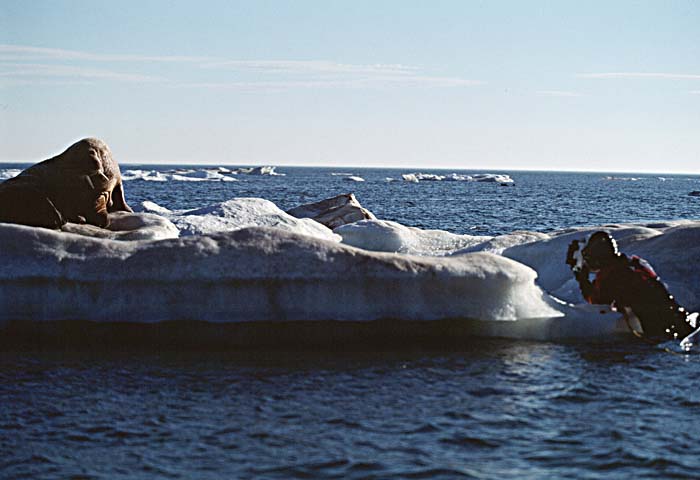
<point>84,182</point>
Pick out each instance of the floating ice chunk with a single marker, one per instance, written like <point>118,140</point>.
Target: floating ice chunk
<point>147,175</point>
<point>203,176</point>
<point>266,170</point>
<point>429,177</point>
<point>180,174</point>
<point>622,179</point>
<point>491,177</point>
<point>333,212</point>
<point>241,213</point>
<point>387,236</point>
<point>457,177</point>
<point>153,207</point>
<point>7,173</point>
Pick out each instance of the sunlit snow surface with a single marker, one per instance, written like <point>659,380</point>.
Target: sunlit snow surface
<point>245,260</point>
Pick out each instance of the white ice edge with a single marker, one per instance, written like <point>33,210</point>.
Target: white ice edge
<point>252,274</point>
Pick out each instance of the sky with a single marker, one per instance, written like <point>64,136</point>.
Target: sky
<point>501,85</point>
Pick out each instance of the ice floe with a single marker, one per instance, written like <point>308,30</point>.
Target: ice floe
<point>245,260</point>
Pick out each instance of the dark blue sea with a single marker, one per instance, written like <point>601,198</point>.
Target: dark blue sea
<point>483,409</point>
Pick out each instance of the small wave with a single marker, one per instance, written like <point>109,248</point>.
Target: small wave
<point>622,457</point>
<point>458,416</point>
<point>336,468</point>
<point>123,434</point>
<point>344,423</point>
<point>465,440</point>
<point>366,467</point>
<point>435,473</point>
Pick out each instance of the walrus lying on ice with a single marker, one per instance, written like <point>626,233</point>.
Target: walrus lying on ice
<point>81,185</point>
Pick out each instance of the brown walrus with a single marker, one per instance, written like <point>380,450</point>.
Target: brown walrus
<point>81,185</point>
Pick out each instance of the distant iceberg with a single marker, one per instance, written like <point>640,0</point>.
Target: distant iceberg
<point>457,177</point>
<point>217,174</point>
<point>266,170</point>
<point>623,179</point>
<point>181,175</point>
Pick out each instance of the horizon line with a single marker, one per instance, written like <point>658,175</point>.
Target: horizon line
<point>384,167</point>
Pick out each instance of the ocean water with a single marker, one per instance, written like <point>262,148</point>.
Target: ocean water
<point>484,408</point>
<point>540,201</point>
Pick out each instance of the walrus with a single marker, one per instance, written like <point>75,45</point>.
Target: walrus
<point>81,185</point>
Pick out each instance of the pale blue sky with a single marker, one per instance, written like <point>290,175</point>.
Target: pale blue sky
<point>607,86</point>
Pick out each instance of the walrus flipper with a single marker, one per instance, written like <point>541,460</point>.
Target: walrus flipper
<point>23,203</point>
<point>118,203</point>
